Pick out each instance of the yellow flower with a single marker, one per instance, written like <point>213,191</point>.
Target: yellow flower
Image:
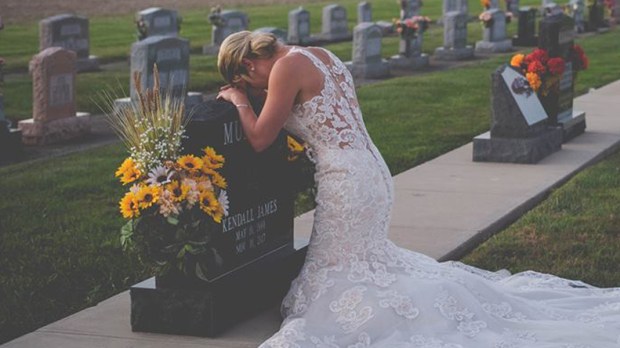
<point>131,175</point>
<point>190,163</point>
<point>127,163</point>
<point>534,81</point>
<point>147,196</point>
<point>516,60</point>
<point>177,190</point>
<point>210,205</point>
<point>294,147</point>
<point>218,180</point>
<point>129,206</point>
<point>211,159</point>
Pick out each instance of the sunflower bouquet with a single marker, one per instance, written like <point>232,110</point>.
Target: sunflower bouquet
<point>174,202</point>
<point>302,167</point>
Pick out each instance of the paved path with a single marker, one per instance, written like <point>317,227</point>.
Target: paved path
<point>443,208</point>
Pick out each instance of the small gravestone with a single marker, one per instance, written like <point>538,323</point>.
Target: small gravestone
<point>280,34</point>
<point>171,54</point>
<point>157,21</point>
<point>512,6</point>
<point>451,6</point>
<point>255,240</point>
<point>10,138</point>
<point>299,27</point>
<point>577,8</point>
<point>364,12</point>
<point>367,60</point>
<point>557,38</point>
<point>54,118</point>
<point>596,16</point>
<point>70,32</point>
<point>225,23</point>
<point>494,4</point>
<point>410,56</point>
<point>454,38</point>
<point>494,34</point>
<point>526,32</point>
<point>519,129</point>
<point>334,25</point>
<point>550,8</point>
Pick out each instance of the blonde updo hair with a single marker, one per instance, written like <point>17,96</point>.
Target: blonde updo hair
<point>244,44</point>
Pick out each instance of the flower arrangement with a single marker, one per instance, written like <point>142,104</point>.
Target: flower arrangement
<point>542,72</point>
<point>301,165</point>
<point>486,4</point>
<point>175,201</point>
<point>410,27</point>
<point>486,19</point>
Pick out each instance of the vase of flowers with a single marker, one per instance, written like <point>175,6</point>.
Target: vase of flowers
<point>409,29</point>
<point>174,202</point>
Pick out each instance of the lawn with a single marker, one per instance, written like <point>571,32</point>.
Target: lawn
<point>59,246</point>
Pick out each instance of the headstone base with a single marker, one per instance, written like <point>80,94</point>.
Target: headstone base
<point>330,37</point>
<point>43,133</point>
<point>10,144</point>
<point>210,50</point>
<point>443,53</point>
<point>525,41</point>
<point>369,71</point>
<point>574,125</point>
<point>517,150</point>
<point>87,64</point>
<point>409,63</point>
<point>209,309</point>
<point>494,46</point>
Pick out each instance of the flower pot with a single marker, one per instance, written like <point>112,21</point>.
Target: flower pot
<point>551,106</point>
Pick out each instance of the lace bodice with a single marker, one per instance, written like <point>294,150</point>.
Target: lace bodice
<point>357,289</point>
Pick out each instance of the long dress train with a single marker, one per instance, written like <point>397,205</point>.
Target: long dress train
<point>358,289</point>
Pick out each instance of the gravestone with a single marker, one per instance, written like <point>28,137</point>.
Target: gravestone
<point>557,38</point>
<point>512,6</point>
<point>494,5</point>
<point>577,8</point>
<point>157,21</point>
<point>54,116</point>
<point>410,8</point>
<point>334,26</point>
<point>367,60</point>
<point>10,138</point>
<point>410,56</point>
<point>364,12</point>
<point>550,8</point>
<point>228,22</point>
<point>494,36</point>
<point>255,241</point>
<point>299,27</point>
<point>171,54</point>
<point>70,32</point>
<point>526,32</point>
<point>453,5</point>
<point>454,38</point>
<point>596,16</point>
<point>280,34</point>
<point>519,129</point>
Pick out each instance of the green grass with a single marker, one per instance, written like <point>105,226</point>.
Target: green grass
<point>574,234</point>
<point>59,247</point>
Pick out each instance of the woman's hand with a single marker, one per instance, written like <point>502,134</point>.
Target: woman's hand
<point>234,94</point>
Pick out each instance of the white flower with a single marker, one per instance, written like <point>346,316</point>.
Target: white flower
<point>134,188</point>
<point>159,176</point>
<point>224,203</point>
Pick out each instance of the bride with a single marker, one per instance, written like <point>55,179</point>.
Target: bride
<point>358,289</point>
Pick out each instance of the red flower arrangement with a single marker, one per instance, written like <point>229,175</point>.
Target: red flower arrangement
<point>578,58</point>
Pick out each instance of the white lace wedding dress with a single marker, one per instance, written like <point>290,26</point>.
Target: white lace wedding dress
<point>358,289</point>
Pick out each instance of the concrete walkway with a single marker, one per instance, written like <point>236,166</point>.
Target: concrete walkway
<point>443,208</point>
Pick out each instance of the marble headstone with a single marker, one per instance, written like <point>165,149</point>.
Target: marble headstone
<point>454,38</point>
<point>298,26</point>
<point>157,21</point>
<point>70,32</point>
<point>232,21</point>
<point>364,12</point>
<point>54,116</point>
<point>494,37</point>
<point>334,26</point>
<point>367,60</point>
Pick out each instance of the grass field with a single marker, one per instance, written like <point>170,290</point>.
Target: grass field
<point>59,247</point>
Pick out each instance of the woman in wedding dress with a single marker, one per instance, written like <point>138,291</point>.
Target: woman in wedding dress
<point>358,289</point>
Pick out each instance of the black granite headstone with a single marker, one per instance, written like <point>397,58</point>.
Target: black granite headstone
<point>526,35</point>
<point>10,138</point>
<point>519,130</point>
<point>255,240</point>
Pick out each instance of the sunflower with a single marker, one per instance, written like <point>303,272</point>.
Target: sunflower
<point>190,163</point>
<point>126,165</point>
<point>218,180</point>
<point>177,190</point>
<point>147,196</point>
<point>211,159</point>
<point>130,175</point>
<point>294,148</point>
<point>129,206</point>
<point>210,205</point>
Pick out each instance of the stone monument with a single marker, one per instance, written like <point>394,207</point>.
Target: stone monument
<point>10,138</point>
<point>494,33</point>
<point>596,16</point>
<point>364,12</point>
<point>526,32</point>
<point>453,5</point>
<point>512,6</point>
<point>454,38</point>
<point>367,60</point>
<point>54,118</point>
<point>255,241</point>
<point>577,8</point>
<point>519,129</point>
<point>224,23</point>
<point>334,25</point>
<point>157,21</point>
<point>410,56</point>
<point>280,34</point>
<point>70,32</point>
<point>557,35</point>
<point>299,27</point>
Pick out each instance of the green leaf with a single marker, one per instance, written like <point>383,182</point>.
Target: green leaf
<point>127,234</point>
<point>172,220</point>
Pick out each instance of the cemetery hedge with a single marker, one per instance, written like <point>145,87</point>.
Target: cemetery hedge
<point>59,245</point>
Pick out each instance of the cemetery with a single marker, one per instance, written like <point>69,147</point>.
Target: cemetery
<point>495,118</point>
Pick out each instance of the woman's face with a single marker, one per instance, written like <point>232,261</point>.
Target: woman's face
<point>258,72</point>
